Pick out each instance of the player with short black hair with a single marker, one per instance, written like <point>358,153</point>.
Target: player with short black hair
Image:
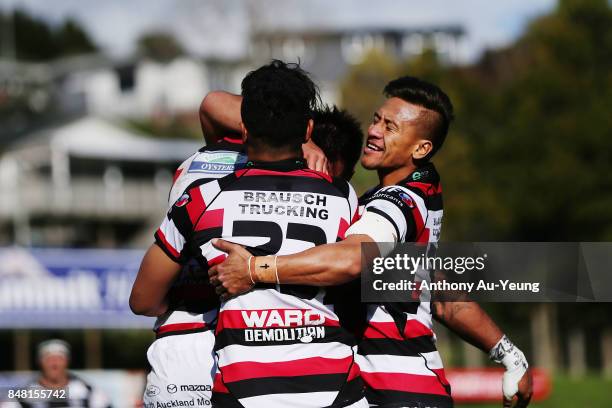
<point>339,135</point>
<point>437,116</point>
<point>275,343</point>
<point>278,101</point>
<point>183,348</point>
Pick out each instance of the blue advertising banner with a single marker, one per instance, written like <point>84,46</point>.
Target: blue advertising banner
<point>68,288</point>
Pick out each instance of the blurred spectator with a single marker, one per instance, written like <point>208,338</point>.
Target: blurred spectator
<point>54,358</point>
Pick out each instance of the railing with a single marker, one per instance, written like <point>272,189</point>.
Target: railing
<point>83,197</point>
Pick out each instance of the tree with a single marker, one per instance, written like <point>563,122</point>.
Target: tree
<point>540,125</point>
<point>528,157</point>
<point>37,40</point>
<point>362,88</point>
<point>160,46</point>
<point>72,39</point>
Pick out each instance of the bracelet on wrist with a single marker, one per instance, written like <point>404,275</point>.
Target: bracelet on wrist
<point>265,270</point>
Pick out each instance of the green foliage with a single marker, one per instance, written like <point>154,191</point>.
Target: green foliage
<point>362,88</point>
<point>160,46</point>
<point>529,155</point>
<point>36,40</point>
<point>364,179</point>
<point>73,39</point>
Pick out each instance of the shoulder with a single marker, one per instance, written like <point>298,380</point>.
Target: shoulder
<point>33,382</point>
<point>369,192</point>
<point>77,387</point>
<point>225,143</point>
<point>78,380</point>
<point>424,181</point>
<point>301,180</point>
<point>343,186</point>
<point>398,195</point>
<point>185,164</point>
<point>201,191</point>
<point>340,186</point>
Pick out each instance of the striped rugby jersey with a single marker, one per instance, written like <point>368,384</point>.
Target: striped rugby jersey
<point>77,393</point>
<point>193,303</point>
<point>277,345</point>
<point>397,353</point>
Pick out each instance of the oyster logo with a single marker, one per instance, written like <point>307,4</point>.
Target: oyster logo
<point>224,160</point>
<point>217,162</point>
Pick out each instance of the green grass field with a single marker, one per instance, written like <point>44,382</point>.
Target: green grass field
<point>589,392</point>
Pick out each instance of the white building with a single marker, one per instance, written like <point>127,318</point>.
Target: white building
<point>137,89</point>
<point>90,182</point>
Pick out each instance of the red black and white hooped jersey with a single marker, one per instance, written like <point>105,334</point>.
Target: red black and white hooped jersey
<point>277,345</point>
<point>193,301</point>
<point>397,353</point>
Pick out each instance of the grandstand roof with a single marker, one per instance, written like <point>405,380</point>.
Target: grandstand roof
<point>93,137</point>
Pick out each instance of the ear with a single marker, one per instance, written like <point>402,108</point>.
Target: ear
<point>309,128</point>
<point>423,148</point>
<point>244,132</point>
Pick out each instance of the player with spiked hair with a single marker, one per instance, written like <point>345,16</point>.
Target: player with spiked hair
<point>399,360</point>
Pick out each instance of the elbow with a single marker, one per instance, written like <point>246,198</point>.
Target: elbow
<point>348,270</point>
<point>347,267</point>
<point>353,255</point>
<point>140,307</point>
<point>204,111</point>
<point>353,269</point>
<point>207,121</point>
<point>208,102</point>
<point>136,307</point>
<point>354,259</point>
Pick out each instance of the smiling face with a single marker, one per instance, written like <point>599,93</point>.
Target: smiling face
<point>395,136</point>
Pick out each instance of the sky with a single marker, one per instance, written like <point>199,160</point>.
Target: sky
<point>220,27</point>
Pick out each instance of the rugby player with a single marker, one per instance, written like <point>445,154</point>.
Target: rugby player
<point>276,205</point>
<point>183,348</point>
<point>54,359</point>
<point>399,360</point>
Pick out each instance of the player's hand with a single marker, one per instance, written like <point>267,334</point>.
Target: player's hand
<point>523,395</point>
<point>517,381</point>
<point>230,277</point>
<point>315,158</point>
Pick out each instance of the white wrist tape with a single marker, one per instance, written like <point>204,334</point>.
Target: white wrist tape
<point>507,354</point>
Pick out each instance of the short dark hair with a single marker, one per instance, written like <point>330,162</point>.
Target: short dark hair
<point>418,92</point>
<point>278,100</point>
<point>339,135</point>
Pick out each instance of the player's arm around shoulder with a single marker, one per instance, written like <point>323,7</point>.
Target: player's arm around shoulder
<point>323,265</point>
<point>341,262</point>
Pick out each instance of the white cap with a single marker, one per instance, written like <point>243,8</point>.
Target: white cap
<point>53,346</point>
